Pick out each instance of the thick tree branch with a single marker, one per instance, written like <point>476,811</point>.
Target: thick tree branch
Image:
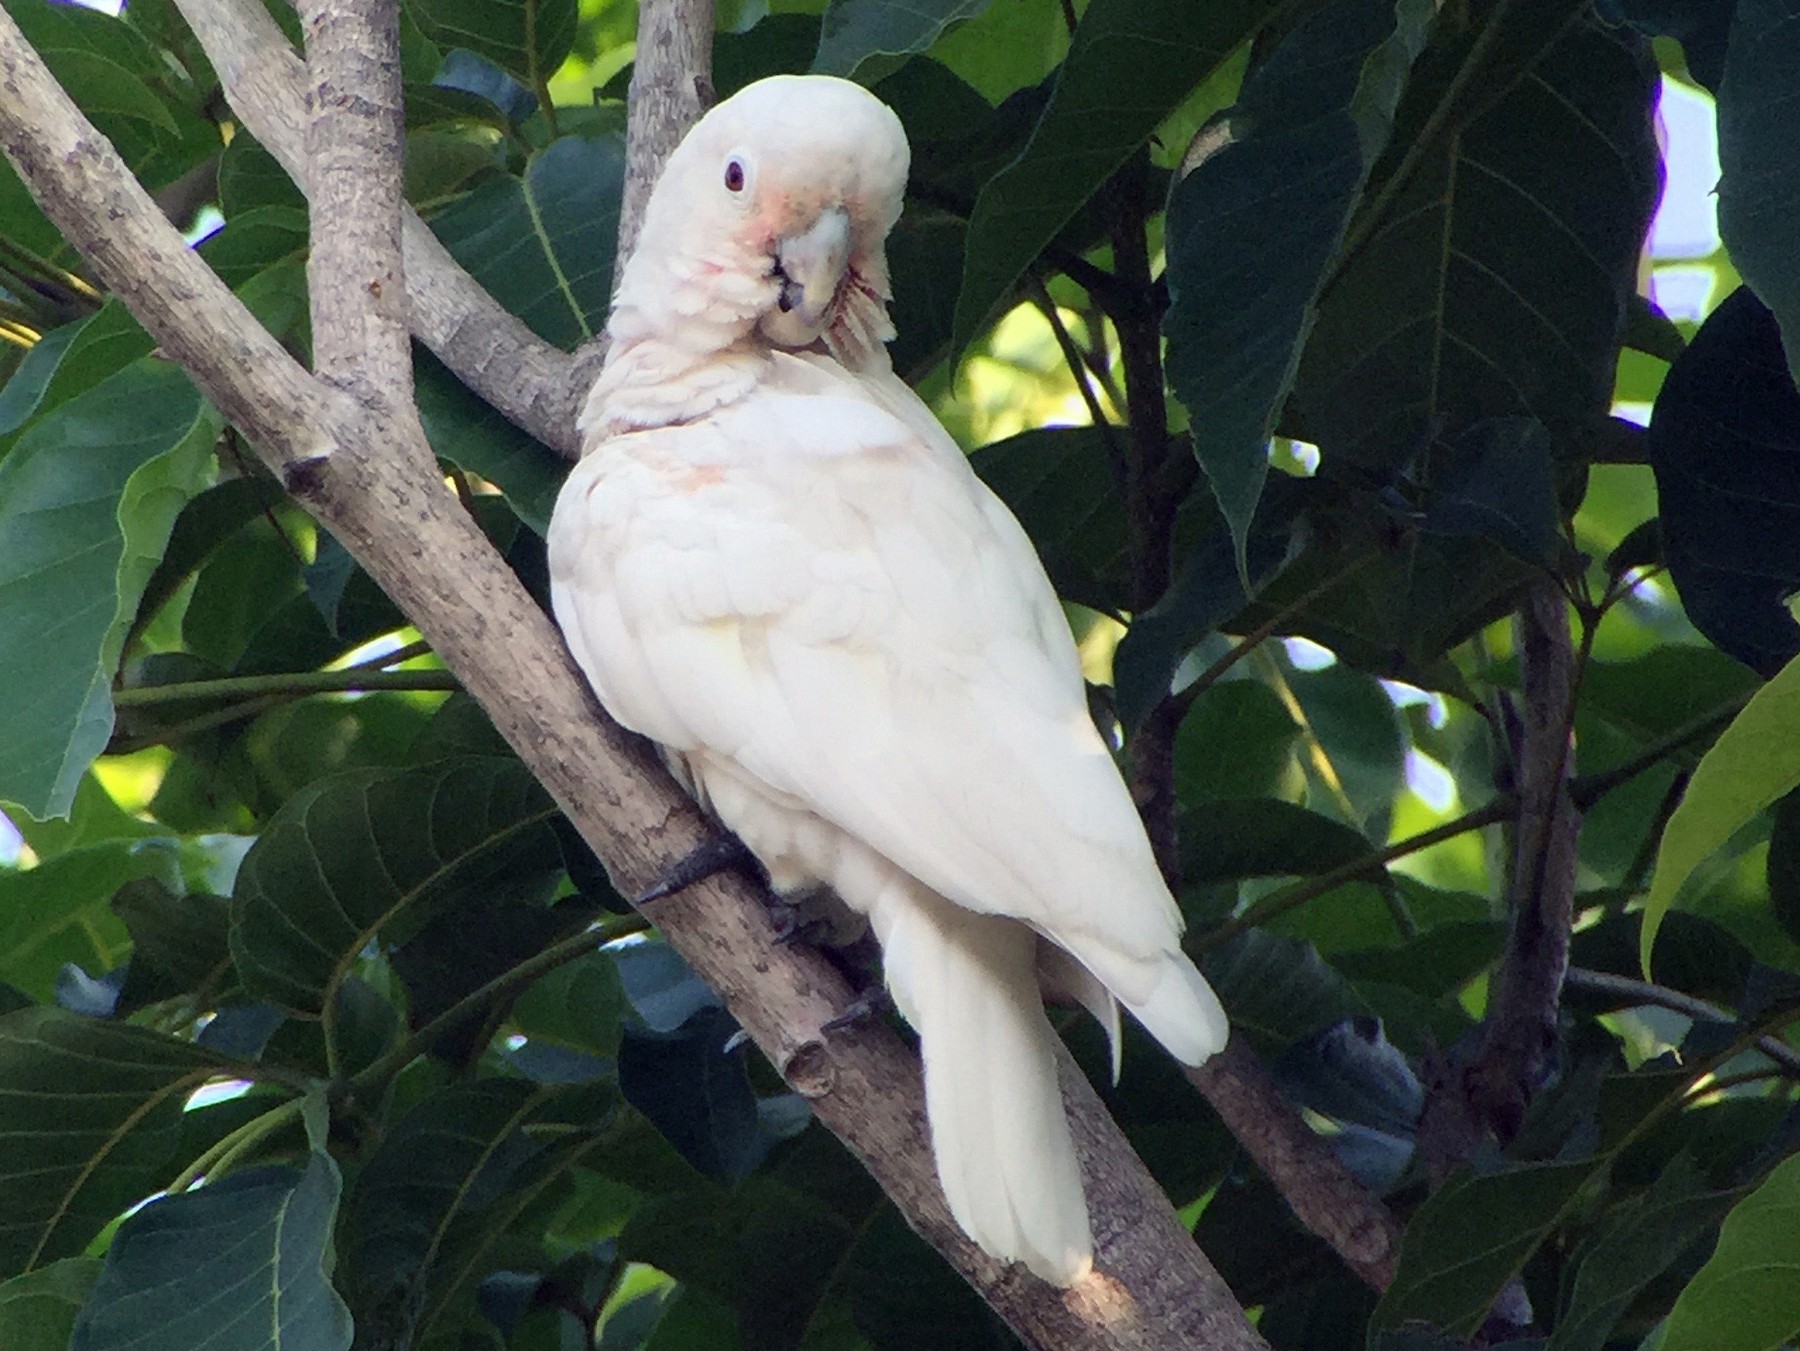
<point>1153,1288</point>
<point>490,350</point>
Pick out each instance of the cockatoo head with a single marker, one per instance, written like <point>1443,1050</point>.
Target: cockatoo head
<point>771,217</point>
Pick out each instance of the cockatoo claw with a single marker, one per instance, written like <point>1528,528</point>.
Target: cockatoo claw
<point>722,853</point>
<point>872,1003</point>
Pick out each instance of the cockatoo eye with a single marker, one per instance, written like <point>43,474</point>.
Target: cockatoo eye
<point>734,175</point>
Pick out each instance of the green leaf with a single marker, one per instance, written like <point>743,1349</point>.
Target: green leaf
<point>90,1112</point>
<point>355,853</point>
<point>87,499</point>
<point>1724,441</point>
<point>768,1250</point>
<point>179,944</point>
<point>104,345</point>
<point>1235,742</point>
<point>1759,158</point>
<point>251,178</point>
<point>1498,482</point>
<point>1470,1238</point>
<point>1126,71</point>
<point>1755,761</point>
<point>1234,838</point>
<point>1484,277</point>
<point>1253,228</point>
<point>465,430</point>
<point>24,390</point>
<point>854,30</point>
<point>526,38</point>
<point>254,240</point>
<point>1635,1244</point>
<point>1057,481</point>
<point>57,912</point>
<point>239,1265</point>
<point>694,1083</point>
<point>1278,989</point>
<point>449,1178</point>
<point>37,1310</point>
<point>543,244</point>
<point>1747,1296</point>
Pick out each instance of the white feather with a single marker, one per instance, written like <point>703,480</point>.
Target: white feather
<point>786,573</point>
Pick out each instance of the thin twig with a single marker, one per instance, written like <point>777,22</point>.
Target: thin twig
<point>357,679</point>
<point>1072,357</point>
<point>1299,893</point>
<point>1644,992</point>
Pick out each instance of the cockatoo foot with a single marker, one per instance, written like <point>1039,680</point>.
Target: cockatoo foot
<point>722,853</point>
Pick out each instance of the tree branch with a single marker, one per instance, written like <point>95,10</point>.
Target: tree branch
<point>1152,1289</point>
<point>1325,1195</point>
<point>671,86</point>
<point>1629,992</point>
<point>490,350</point>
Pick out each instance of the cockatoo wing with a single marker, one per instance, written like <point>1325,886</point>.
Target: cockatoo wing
<point>805,584</point>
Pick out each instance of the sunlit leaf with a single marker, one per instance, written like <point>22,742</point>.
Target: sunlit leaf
<point>1747,1296</point>
<point>1755,761</point>
<point>87,499</point>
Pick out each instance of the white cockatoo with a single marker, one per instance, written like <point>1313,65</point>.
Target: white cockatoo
<point>774,562</point>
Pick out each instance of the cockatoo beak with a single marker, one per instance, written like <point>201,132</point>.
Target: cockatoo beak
<point>812,269</point>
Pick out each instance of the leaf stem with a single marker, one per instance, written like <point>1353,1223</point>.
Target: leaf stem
<point>1115,454</point>
<point>288,683</point>
<point>372,1080</point>
<point>218,1160</point>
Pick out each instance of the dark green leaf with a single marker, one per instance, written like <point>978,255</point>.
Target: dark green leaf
<point>1235,742</point>
<point>468,432</point>
<point>430,1213</point>
<point>1234,838</point>
<point>543,244</point>
<point>1498,482</point>
<point>90,1112</point>
<point>695,1085</point>
<point>1759,158</point>
<point>578,1007</point>
<point>1277,989</point>
<point>205,522</point>
<point>87,499</point>
<point>1352,1075</point>
<point>37,1310</point>
<point>768,1250</point>
<point>1484,277</point>
<point>525,38</point>
<point>1253,227</point>
<point>1361,735</point>
<point>352,855</point>
<point>1725,444</point>
<point>1125,72</point>
<point>239,1265</point>
<point>1470,1238</point>
<point>1784,865</point>
<point>25,389</point>
<point>1436,963</point>
<point>1747,1296</point>
<point>468,88</point>
<point>1635,1244</point>
<point>253,240</point>
<point>854,30</point>
<point>1058,482</point>
<point>1701,26</point>
<point>178,944</point>
<point>251,178</point>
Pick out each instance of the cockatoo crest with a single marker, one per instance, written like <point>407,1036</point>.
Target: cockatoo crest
<point>768,222</point>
